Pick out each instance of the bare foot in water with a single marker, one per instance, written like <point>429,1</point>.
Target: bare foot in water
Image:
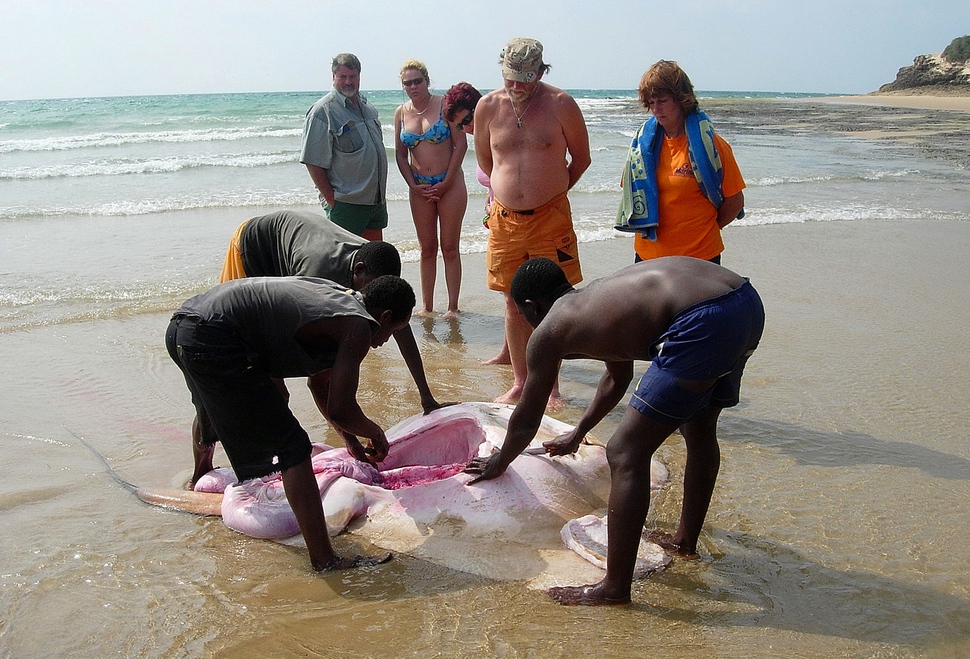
<point>451,313</point>
<point>511,396</point>
<point>349,562</point>
<point>668,544</point>
<point>591,595</point>
<point>425,313</point>
<point>501,358</point>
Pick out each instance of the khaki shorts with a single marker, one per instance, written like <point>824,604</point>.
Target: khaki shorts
<point>514,237</point>
<point>232,267</point>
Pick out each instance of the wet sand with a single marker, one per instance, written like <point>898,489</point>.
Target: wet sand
<point>838,527</point>
<point>904,100</point>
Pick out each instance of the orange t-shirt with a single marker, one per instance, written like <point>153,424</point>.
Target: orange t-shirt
<point>688,221</point>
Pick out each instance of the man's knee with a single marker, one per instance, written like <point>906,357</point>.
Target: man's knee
<point>619,454</point>
<point>635,441</point>
<point>702,431</point>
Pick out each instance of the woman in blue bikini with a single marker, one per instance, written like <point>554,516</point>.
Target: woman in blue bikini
<point>429,154</point>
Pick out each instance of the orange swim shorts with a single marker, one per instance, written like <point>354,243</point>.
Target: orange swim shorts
<point>232,267</point>
<point>514,237</point>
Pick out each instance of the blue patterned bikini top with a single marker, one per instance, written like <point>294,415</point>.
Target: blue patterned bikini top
<point>437,133</point>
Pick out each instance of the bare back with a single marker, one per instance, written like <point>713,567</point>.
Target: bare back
<point>527,163</point>
<point>618,318</point>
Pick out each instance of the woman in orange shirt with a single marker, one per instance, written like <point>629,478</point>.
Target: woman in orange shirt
<point>690,225</point>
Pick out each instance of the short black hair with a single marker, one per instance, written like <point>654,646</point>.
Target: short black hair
<point>540,280</point>
<point>390,293</point>
<point>380,258</point>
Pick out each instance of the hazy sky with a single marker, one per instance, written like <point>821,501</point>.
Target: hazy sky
<point>66,48</point>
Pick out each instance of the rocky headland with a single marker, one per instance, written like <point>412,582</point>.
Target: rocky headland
<point>942,74</point>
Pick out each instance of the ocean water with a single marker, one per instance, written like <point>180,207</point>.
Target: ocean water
<point>130,156</point>
<point>838,526</point>
<point>99,182</point>
<point>149,154</point>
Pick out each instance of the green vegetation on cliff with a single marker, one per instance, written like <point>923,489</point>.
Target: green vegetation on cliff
<point>958,51</point>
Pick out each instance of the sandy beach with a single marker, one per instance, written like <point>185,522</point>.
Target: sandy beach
<point>837,529</point>
<point>905,100</point>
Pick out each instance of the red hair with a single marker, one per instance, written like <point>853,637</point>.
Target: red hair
<point>461,96</point>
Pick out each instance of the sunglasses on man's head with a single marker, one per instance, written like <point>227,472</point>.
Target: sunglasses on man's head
<point>412,82</point>
<point>467,120</point>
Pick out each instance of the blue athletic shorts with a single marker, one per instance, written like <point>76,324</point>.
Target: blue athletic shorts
<point>710,340</point>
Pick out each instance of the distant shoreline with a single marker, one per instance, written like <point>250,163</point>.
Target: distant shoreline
<point>586,93</point>
<point>930,99</point>
<point>902,100</point>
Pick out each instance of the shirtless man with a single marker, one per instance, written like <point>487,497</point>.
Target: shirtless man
<point>697,323</point>
<point>234,340</point>
<point>523,134</point>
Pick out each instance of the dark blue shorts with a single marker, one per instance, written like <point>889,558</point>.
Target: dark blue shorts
<point>711,340</point>
<point>239,403</point>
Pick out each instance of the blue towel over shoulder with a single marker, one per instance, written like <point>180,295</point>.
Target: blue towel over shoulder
<point>638,212</point>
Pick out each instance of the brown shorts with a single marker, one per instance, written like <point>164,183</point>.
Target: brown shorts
<point>514,237</point>
<point>232,267</point>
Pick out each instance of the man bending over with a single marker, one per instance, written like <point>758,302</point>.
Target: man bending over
<point>291,243</point>
<point>234,340</point>
<point>697,323</point>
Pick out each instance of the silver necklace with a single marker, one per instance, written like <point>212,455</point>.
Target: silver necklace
<point>518,117</point>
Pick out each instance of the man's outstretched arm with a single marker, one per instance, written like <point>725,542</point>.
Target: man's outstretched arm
<point>611,389</point>
<point>408,346</point>
<point>543,362</point>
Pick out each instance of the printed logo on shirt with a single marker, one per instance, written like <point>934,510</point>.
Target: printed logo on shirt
<point>684,170</point>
